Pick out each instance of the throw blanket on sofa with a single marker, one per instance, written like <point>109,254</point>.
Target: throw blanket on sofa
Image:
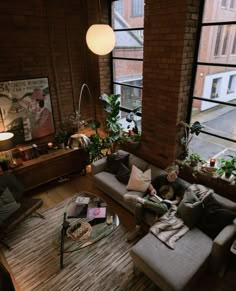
<point>169,228</point>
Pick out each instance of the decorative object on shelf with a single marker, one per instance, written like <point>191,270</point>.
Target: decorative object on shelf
<point>5,145</point>
<point>100,37</point>
<point>61,137</point>
<point>189,132</point>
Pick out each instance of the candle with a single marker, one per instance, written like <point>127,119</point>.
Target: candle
<point>50,145</point>
<point>212,162</point>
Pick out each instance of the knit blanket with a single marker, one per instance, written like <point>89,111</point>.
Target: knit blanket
<point>169,228</point>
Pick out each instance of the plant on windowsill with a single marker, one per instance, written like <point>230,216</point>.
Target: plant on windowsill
<point>194,159</point>
<point>189,131</point>
<point>226,168</point>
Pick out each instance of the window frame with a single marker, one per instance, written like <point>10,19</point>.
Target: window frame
<point>197,63</point>
<point>114,58</point>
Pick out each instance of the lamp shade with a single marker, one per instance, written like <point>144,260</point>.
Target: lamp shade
<point>100,39</point>
<point>6,141</point>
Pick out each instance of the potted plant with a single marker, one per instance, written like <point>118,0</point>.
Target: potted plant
<point>112,126</point>
<point>189,132</point>
<point>95,147</point>
<point>226,167</point>
<point>61,138</point>
<point>193,159</point>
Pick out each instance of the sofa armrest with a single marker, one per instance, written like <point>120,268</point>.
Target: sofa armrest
<point>98,166</point>
<point>221,246</point>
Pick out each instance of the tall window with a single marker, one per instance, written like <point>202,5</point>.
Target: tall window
<point>234,45</point>
<point>223,3</point>
<point>127,59</point>
<point>226,34</point>
<point>137,7</point>
<point>231,4</point>
<point>118,6</point>
<point>214,82</point>
<point>218,38</point>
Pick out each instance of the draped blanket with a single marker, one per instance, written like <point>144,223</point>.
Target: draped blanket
<point>169,228</point>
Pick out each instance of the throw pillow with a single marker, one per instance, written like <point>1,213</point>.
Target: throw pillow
<point>139,180</point>
<point>215,217</point>
<point>190,208</point>
<point>8,204</point>
<point>115,160</point>
<point>123,174</point>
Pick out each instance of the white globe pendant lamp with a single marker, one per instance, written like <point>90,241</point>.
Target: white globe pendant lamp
<point>100,39</point>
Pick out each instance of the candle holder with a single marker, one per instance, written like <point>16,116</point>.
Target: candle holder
<point>212,162</point>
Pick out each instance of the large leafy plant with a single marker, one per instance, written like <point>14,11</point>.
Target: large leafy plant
<point>112,109</point>
<point>189,131</point>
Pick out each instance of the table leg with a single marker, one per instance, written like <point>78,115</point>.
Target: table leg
<point>65,225</point>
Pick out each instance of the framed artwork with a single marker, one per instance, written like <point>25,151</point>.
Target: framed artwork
<point>25,109</point>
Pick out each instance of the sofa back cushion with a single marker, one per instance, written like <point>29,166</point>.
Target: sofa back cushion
<point>135,160</point>
<point>155,171</point>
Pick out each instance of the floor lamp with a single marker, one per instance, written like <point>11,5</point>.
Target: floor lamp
<point>79,140</point>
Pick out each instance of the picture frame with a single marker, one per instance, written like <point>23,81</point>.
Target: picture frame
<point>25,109</point>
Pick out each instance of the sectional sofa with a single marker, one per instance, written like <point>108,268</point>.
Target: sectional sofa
<point>169,269</point>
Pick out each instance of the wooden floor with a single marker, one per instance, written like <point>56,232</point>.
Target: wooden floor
<point>61,190</point>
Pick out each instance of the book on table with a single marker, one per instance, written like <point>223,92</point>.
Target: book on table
<point>78,209</point>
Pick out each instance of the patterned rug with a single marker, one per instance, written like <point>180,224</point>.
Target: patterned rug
<point>105,265</point>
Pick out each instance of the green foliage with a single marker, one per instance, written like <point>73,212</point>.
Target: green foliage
<point>95,147</point>
<point>61,136</point>
<point>194,159</point>
<point>226,166</point>
<point>189,132</point>
<point>112,109</point>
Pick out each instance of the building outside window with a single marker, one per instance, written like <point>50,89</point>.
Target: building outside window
<point>137,8</point>
<point>214,82</point>
<point>127,58</point>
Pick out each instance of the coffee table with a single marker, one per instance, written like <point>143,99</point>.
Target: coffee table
<point>86,225</point>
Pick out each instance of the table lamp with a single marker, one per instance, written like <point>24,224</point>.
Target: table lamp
<point>5,145</point>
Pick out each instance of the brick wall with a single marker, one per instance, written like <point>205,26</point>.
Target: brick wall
<point>169,40</point>
<point>47,38</point>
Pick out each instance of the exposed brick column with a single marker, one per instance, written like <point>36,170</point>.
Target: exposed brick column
<point>169,41</point>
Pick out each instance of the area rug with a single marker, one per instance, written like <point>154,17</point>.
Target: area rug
<point>105,265</point>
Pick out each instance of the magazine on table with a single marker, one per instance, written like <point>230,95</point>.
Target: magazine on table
<point>82,200</point>
<point>96,212</point>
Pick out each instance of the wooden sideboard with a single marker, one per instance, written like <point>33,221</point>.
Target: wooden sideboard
<point>48,167</point>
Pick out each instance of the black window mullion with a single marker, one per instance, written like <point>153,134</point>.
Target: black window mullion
<point>214,101</point>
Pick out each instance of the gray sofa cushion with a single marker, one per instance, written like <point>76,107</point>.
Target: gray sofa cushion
<point>172,269</point>
<point>190,208</point>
